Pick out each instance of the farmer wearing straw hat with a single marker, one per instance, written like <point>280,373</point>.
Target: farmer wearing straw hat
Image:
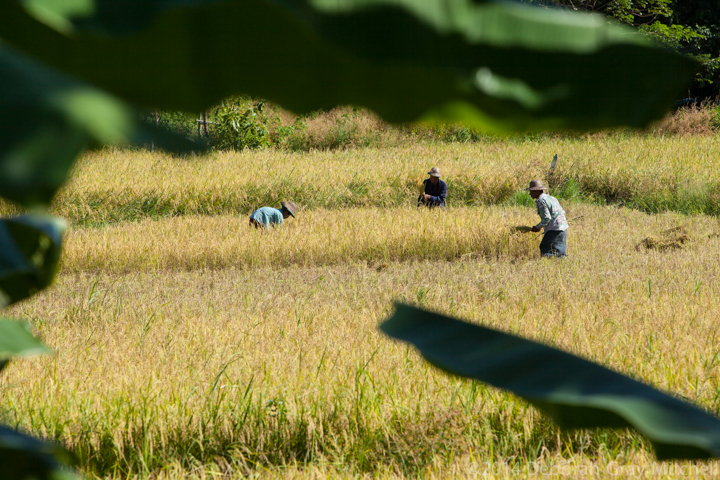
<point>552,219</point>
<point>266,216</point>
<point>435,190</point>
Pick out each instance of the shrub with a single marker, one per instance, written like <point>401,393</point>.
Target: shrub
<point>239,123</point>
<point>291,137</point>
<point>182,123</point>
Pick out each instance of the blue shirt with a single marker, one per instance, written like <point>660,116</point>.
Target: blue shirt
<point>437,192</point>
<point>267,216</point>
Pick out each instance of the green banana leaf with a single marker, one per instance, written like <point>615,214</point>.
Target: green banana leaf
<point>17,341</point>
<point>491,65</point>
<point>26,458</point>
<point>48,118</point>
<point>30,247</point>
<point>574,392</point>
<point>23,457</point>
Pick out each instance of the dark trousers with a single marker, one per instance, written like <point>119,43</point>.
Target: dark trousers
<point>553,244</point>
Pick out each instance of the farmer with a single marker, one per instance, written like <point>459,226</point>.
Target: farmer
<point>552,219</point>
<point>266,216</point>
<point>435,190</point>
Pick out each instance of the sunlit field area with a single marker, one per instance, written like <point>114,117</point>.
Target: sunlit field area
<point>192,346</point>
<point>650,173</point>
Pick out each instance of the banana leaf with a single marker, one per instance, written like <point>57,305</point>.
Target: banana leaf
<point>17,341</point>
<point>26,458</point>
<point>48,118</point>
<point>491,65</point>
<point>30,247</point>
<point>574,392</point>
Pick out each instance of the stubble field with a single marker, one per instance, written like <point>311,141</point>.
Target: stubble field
<point>190,346</point>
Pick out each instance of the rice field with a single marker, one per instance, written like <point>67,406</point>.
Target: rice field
<point>190,346</point>
<point>319,237</point>
<point>650,173</point>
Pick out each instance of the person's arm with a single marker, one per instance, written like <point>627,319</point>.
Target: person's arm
<point>257,219</point>
<point>426,186</point>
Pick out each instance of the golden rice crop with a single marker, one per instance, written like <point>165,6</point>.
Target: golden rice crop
<point>652,173</point>
<point>655,161</point>
<point>178,357</point>
<point>316,237</point>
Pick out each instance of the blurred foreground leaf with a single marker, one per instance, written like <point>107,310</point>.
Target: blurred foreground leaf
<point>30,247</point>
<point>48,118</point>
<point>17,341</point>
<point>574,392</point>
<point>491,65</point>
<point>26,458</point>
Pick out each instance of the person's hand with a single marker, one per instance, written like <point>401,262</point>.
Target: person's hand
<point>535,229</point>
<point>426,196</point>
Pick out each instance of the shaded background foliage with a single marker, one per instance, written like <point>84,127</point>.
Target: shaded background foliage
<point>691,27</point>
<point>242,122</point>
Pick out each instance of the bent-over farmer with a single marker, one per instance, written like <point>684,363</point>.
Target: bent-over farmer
<point>266,216</point>
<point>552,219</point>
<point>435,190</point>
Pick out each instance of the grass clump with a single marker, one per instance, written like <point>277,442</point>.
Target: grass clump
<point>671,239</point>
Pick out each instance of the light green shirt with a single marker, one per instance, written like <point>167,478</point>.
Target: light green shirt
<point>267,216</point>
<point>552,215</point>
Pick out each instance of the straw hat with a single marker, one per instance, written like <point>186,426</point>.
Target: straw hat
<point>434,172</point>
<point>536,185</point>
<point>290,207</point>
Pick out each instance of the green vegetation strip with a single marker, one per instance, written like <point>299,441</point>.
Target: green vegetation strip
<point>107,208</point>
<point>576,393</point>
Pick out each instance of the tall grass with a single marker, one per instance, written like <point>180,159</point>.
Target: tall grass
<point>225,371</point>
<point>316,237</point>
<point>653,174</point>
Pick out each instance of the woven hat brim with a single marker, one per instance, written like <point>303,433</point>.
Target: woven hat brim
<point>285,206</point>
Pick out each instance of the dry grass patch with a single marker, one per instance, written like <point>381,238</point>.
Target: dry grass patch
<point>671,239</point>
<point>693,120</point>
